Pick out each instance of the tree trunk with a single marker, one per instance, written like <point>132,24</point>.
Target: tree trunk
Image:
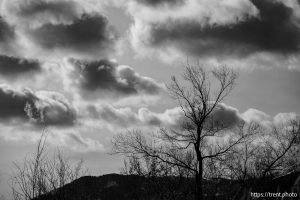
<point>198,195</point>
<point>199,191</point>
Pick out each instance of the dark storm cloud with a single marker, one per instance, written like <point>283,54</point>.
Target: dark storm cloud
<point>12,103</point>
<point>102,74</point>
<point>43,108</point>
<point>11,66</point>
<point>276,29</point>
<point>58,9</point>
<point>224,116</point>
<point>108,76</point>
<point>160,2</point>
<point>84,35</point>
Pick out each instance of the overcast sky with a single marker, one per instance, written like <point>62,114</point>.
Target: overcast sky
<point>88,69</point>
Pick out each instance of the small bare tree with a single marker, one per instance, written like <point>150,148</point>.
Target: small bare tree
<point>42,174</point>
<point>198,139</point>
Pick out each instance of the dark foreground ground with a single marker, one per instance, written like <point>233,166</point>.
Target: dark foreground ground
<point>130,187</point>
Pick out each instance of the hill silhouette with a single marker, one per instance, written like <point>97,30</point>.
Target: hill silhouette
<point>133,187</point>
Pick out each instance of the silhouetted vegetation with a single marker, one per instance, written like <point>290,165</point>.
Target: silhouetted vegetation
<point>43,173</point>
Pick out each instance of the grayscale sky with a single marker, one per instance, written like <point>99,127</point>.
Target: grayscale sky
<point>89,69</point>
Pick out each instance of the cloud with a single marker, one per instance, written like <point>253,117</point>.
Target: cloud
<point>286,118</point>
<point>170,118</point>
<point>267,121</point>
<point>122,117</point>
<point>36,13</point>
<point>204,11</point>
<point>256,115</point>
<point>218,29</point>
<point>224,115</point>
<point>273,130</point>
<point>87,35</point>
<point>160,2</point>
<point>274,31</point>
<point>12,102</point>
<point>41,108</point>
<point>52,29</point>
<point>51,108</point>
<point>106,76</point>
<point>14,66</point>
<point>126,117</point>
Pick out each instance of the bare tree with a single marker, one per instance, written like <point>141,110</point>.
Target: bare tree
<point>42,173</point>
<point>273,151</point>
<point>240,162</point>
<point>163,182</point>
<point>279,154</point>
<point>201,137</point>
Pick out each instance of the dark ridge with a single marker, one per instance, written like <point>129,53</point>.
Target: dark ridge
<point>133,187</point>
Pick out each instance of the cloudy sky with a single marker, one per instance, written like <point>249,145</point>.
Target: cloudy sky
<point>88,69</point>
